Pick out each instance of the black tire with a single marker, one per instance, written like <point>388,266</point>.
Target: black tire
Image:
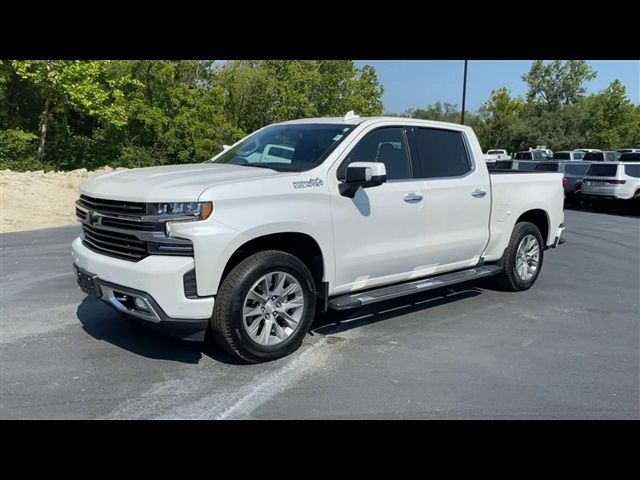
<point>226,322</point>
<point>508,279</point>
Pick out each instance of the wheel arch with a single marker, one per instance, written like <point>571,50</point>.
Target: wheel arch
<point>299,244</point>
<point>540,218</point>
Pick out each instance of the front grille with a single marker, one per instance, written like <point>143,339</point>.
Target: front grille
<point>116,228</point>
<point>80,214</point>
<point>115,206</point>
<point>115,244</point>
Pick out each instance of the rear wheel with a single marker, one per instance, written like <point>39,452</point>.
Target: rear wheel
<point>522,259</point>
<point>264,307</point>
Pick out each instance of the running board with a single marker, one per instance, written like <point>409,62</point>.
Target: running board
<point>355,300</point>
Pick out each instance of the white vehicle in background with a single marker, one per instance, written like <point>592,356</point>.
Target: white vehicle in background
<point>363,210</point>
<point>496,154</point>
<point>587,150</point>
<point>629,150</point>
<point>573,155</point>
<point>607,183</point>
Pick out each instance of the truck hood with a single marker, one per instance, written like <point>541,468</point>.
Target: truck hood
<point>175,183</point>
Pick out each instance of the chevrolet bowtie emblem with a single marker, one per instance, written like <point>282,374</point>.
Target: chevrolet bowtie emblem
<point>94,218</point>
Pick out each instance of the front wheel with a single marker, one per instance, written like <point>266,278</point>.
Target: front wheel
<point>264,307</point>
<point>522,259</point>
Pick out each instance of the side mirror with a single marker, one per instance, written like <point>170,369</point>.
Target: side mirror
<point>362,174</point>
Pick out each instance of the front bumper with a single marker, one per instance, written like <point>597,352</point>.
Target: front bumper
<point>158,280</point>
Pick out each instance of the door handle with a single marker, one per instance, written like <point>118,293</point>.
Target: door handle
<point>478,193</point>
<point>413,198</point>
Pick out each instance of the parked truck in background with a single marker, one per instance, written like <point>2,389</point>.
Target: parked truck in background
<point>351,212</point>
<point>495,155</point>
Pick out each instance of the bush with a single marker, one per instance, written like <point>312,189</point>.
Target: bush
<point>18,150</point>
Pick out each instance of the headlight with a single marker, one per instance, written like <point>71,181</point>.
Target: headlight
<point>198,210</point>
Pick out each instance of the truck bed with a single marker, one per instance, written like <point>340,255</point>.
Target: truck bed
<point>512,192</point>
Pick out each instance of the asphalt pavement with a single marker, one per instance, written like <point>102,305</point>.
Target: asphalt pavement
<point>566,349</point>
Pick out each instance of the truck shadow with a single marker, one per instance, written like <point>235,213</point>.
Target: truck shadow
<point>104,323</point>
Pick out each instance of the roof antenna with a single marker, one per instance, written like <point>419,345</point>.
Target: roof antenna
<point>350,116</point>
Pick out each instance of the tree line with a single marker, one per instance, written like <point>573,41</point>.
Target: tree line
<point>555,112</point>
<point>63,114</point>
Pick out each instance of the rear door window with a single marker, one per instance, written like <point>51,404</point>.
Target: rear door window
<point>440,153</point>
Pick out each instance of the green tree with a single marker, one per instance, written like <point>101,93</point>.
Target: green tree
<point>557,83</point>
<point>502,117</point>
<point>80,85</point>
<point>261,92</point>
<point>439,111</point>
<point>610,120</point>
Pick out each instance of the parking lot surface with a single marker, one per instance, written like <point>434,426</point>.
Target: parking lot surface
<point>566,349</point>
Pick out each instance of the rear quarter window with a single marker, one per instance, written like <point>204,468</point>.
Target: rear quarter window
<point>632,170</point>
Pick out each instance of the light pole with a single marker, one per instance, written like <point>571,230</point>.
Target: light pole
<point>464,91</point>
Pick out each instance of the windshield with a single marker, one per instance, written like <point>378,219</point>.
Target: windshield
<point>287,148</point>
<point>495,152</point>
<point>562,156</point>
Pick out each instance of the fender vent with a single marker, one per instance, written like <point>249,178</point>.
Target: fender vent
<point>190,285</point>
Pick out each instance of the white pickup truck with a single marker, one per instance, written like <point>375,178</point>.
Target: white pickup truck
<point>356,211</point>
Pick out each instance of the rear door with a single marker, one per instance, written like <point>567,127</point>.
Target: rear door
<point>457,197</point>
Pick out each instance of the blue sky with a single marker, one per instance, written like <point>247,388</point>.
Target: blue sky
<point>418,83</point>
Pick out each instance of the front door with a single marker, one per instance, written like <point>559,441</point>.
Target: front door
<point>380,235</point>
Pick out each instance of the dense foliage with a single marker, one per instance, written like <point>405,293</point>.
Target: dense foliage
<point>70,114</point>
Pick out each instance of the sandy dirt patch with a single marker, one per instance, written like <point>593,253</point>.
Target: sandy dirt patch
<point>30,200</point>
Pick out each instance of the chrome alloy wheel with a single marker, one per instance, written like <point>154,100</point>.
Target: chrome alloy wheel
<point>527,257</point>
<point>273,308</point>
